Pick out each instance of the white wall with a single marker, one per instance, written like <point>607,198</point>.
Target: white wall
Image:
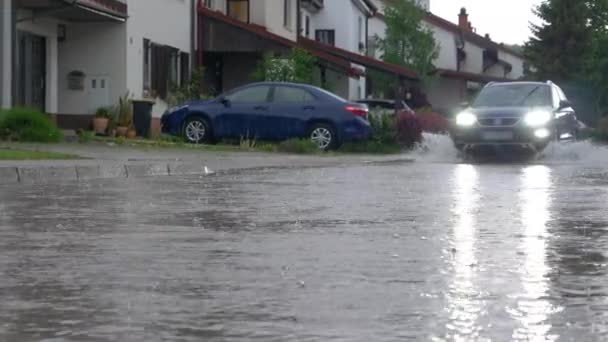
<point>275,18</point>
<point>341,16</point>
<point>376,28</point>
<point>446,43</point>
<point>48,29</point>
<point>474,60</point>
<point>517,62</point>
<point>98,50</point>
<point>161,21</point>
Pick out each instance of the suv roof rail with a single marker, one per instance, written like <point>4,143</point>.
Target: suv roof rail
<point>549,82</point>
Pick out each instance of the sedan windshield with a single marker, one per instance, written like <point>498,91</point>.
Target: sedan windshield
<point>514,95</point>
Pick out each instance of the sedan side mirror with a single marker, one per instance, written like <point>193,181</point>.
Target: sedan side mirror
<point>565,104</point>
<point>224,101</point>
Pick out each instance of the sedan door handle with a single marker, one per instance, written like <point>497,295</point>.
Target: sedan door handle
<point>260,107</point>
<point>308,107</point>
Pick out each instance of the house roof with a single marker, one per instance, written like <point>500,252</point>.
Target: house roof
<point>337,57</point>
<point>467,35</point>
<point>369,62</point>
<point>469,76</point>
<point>339,64</point>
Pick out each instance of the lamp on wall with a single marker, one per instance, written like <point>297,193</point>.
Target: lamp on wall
<point>61,32</point>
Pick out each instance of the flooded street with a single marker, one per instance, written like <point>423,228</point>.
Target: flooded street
<point>430,250</point>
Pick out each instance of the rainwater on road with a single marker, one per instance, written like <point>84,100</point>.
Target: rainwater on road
<point>431,250</point>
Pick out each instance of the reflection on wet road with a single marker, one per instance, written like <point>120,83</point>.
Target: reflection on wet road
<point>424,251</point>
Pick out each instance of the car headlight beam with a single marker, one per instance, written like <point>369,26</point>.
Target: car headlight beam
<point>465,119</point>
<point>537,118</point>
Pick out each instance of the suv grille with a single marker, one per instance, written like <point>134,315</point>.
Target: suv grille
<point>498,122</point>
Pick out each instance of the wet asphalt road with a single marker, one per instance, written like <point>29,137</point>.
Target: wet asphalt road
<point>422,251</point>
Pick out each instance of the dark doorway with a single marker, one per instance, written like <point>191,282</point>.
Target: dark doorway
<point>30,89</point>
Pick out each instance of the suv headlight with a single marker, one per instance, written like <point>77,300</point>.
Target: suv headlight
<point>537,118</point>
<point>465,119</point>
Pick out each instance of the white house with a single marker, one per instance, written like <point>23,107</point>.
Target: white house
<point>343,24</point>
<point>70,57</point>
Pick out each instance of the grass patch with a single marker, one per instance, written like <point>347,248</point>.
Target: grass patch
<point>298,146</point>
<point>27,125</point>
<point>12,154</point>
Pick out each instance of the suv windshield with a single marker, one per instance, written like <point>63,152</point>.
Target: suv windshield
<point>514,95</point>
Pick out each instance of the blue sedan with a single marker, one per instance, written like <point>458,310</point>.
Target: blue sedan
<point>271,111</point>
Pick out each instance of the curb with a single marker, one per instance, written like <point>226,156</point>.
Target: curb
<point>38,175</point>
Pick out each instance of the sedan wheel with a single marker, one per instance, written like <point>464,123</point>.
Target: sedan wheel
<point>322,136</point>
<point>196,131</point>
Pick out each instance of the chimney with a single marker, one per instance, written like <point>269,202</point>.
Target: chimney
<point>488,36</point>
<point>463,20</point>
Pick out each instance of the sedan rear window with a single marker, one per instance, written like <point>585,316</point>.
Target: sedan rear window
<point>292,94</point>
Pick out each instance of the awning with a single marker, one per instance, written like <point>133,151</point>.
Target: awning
<point>76,10</point>
<point>221,33</point>
<point>469,76</point>
<point>362,60</point>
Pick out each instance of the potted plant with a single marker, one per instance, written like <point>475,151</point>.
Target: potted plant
<point>124,115</point>
<point>131,133</point>
<point>101,120</point>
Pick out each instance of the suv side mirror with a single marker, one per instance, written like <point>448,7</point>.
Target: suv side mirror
<point>564,104</point>
<point>464,104</point>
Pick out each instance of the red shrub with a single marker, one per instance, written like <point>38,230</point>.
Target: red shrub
<point>409,131</point>
<point>433,122</point>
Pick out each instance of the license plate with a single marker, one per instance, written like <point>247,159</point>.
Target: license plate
<point>497,135</point>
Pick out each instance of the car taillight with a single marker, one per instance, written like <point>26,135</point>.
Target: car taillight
<point>358,111</point>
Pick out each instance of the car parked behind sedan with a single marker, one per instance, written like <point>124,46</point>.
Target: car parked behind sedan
<point>271,111</point>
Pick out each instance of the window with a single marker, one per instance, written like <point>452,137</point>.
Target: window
<point>307,26</point>
<point>562,96</point>
<point>291,94</point>
<point>249,95</point>
<point>164,67</point>
<point>513,95</point>
<point>238,9</point>
<point>287,13</point>
<point>326,36</point>
<point>556,98</point>
<point>208,3</point>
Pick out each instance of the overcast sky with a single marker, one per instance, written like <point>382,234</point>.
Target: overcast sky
<point>505,21</point>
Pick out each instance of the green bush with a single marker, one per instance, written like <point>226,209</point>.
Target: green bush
<point>384,128</point>
<point>301,146</point>
<point>86,136</point>
<point>28,125</point>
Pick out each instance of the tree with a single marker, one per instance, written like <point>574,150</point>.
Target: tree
<point>561,45</point>
<point>407,41</point>
<point>297,67</point>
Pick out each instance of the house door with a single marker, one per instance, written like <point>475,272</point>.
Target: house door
<point>31,71</point>
<point>99,92</point>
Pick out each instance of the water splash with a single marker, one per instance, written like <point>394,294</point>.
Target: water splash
<point>436,148</point>
<point>439,148</point>
<point>581,151</point>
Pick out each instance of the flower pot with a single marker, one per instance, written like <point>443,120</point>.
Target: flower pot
<point>131,134</point>
<point>121,131</point>
<point>100,125</point>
